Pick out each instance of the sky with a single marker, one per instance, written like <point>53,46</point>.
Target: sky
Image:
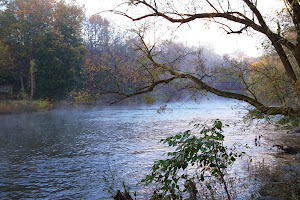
<point>213,37</point>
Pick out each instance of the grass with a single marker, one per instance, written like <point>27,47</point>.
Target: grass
<point>21,106</point>
<point>278,181</point>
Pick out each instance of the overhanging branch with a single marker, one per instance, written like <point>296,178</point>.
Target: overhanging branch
<point>143,90</point>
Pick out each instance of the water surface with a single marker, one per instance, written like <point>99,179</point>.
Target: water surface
<point>64,154</point>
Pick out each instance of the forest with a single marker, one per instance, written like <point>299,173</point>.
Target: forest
<point>52,51</point>
<point>55,52</point>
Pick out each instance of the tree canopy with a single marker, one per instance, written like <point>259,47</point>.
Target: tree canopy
<point>235,17</point>
<point>49,50</point>
<point>42,44</point>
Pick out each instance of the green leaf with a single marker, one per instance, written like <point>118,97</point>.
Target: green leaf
<point>184,165</point>
<point>223,166</point>
<point>209,186</point>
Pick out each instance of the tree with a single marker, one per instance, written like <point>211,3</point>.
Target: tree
<point>61,54</point>
<point>26,27</point>
<point>6,61</point>
<point>245,16</point>
<point>60,67</point>
<point>268,81</point>
<point>32,19</point>
<point>97,34</point>
<point>111,59</point>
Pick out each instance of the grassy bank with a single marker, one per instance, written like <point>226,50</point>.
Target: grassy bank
<point>278,181</point>
<point>21,106</point>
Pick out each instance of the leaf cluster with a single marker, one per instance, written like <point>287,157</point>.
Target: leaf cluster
<point>205,152</point>
<point>42,47</point>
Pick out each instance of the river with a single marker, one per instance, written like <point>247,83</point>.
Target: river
<point>64,154</point>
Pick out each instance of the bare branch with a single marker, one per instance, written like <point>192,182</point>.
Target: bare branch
<point>147,89</point>
<point>239,31</point>
<point>212,6</point>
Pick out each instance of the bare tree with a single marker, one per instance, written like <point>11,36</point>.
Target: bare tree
<point>247,16</point>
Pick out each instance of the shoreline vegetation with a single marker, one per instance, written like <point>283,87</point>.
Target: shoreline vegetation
<point>24,106</point>
<point>8,106</point>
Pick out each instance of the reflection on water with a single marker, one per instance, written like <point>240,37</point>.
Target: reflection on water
<point>64,154</point>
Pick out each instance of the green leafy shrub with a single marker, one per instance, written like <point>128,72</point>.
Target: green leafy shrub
<point>41,105</point>
<point>206,152</point>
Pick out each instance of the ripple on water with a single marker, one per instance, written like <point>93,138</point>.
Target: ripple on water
<point>64,154</point>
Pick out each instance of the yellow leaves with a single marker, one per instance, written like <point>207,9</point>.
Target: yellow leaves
<point>81,97</point>
<point>260,64</point>
<point>94,64</point>
<point>268,80</point>
<point>82,48</point>
<point>32,66</point>
<point>69,13</point>
<point>148,99</point>
<point>34,10</point>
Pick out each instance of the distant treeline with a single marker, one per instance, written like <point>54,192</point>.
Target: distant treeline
<point>51,50</point>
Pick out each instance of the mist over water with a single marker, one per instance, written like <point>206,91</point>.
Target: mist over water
<point>63,154</point>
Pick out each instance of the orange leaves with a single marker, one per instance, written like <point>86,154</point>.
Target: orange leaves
<point>266,61</point>
<point>96,20</point>
<point>68,14</point>
<point>81,97</point>
<point>35,11</point>
<point>93,65</point>
<point>36,17</point>
<point>270,83</point>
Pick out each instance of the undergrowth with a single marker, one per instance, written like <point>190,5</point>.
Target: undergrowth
<point>9,107</point>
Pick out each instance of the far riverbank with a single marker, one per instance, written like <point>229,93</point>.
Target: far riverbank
<point>23,106</point>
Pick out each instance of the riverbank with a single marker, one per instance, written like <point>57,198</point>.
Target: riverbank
<point>21,106</point>
<point>278,182</point>
<point>30,106</point>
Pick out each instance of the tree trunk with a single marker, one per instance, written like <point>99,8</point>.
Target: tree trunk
<point>297,55</point>
<point>285,61</point>
<point>32,84</point>
<point>22,82</point>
